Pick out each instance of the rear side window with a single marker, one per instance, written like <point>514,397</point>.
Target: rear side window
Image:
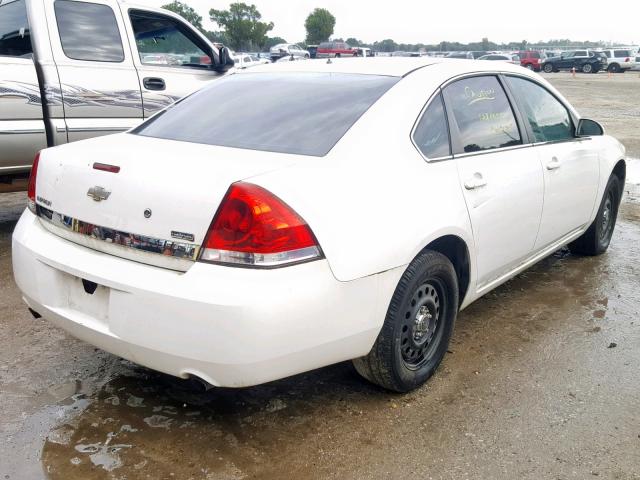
<point>621,53</point>
<point>607,53</point>
<point>431,135</point>
<point>580,53</point>
<point>15,39</point>
<point>481,114</point>
<point>549,120</point>
<point>88,31</point>
<point>298,113</point>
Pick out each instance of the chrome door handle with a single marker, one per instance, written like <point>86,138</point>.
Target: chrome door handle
<point>553,164</point>
<point>476,181</point>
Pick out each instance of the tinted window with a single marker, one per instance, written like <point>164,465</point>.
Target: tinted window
<point>535,55</point>
<point>607,53</point>
<point>271,111</point>
<point>621,53</point>
<point>580,53</point>
<point>482,114</point>
<point>432,133</point>
<point>15,40</point>
<point>549,119</point>
<point>88,31</point>
<point>165,41</point>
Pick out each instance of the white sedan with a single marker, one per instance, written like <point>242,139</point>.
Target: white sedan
<point>253,230</point>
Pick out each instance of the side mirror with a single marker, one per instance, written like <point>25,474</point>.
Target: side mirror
<point>588,128</point>
<point>225,62</point>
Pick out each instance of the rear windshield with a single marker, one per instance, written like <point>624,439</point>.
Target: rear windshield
<point>299,113</point>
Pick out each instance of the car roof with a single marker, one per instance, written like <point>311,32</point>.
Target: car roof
<point>386,66</point>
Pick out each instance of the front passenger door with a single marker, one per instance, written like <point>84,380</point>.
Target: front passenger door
<point>570,164</point>
<point>500,177</point>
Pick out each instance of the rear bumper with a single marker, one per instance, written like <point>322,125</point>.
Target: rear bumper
<point>232,327</point>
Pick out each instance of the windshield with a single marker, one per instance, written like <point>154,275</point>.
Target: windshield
<point>299,113</point>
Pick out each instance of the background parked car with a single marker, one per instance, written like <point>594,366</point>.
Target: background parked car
<point>503,57</point>
<point>637,64</point>
<point>586,61</point>
<point>467,55</point>
<point>282,49</point>
<point>336,49</point>
<point>313,50</point>
<point>245,60</point>
<point>620,59</point>
<point>531,59</point>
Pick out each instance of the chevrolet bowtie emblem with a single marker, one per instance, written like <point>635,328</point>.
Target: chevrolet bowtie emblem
<point>98,193</point>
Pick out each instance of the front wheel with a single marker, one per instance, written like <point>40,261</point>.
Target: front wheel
<point>548,67</point>
<point>417,328</point>
<point>596,239</point>
<point>587,68</point>
<point>529,66</point>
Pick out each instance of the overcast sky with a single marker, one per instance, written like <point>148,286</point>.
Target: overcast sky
<point>430,21</point>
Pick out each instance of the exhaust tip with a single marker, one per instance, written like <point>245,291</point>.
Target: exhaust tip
<point>34,313</point>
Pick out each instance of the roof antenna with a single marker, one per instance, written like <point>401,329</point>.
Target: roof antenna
<point>329,60</point>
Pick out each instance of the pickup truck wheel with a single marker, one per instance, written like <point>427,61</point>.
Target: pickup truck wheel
<point>548,67</point>
<point>614,68</point>
<point>596,239</point>
<point>417,328</point>
<point>587,68</point>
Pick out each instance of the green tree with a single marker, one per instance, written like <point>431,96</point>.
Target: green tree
<point>386,45</point>
<point>354,42</point>
<point>242,26</point>
<point>272,41</point>
<point>186,12</point>
<point>319,25</point>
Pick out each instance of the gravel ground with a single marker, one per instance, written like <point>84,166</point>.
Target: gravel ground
<point>541,382</point>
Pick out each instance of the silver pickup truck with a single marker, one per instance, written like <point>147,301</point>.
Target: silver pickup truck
<point>71,70</point>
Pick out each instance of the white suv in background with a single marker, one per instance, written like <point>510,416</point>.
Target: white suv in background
<point>620,59</point>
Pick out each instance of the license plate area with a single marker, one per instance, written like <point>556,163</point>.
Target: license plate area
<point>89,298</point>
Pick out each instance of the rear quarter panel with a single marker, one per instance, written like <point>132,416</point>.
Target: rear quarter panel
<point>373,202</point>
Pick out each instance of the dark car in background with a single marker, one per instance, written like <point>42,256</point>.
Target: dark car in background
<point>586,61</point>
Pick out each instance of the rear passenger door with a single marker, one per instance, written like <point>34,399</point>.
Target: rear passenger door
<point>100,91</point>
<point>501,178</point>
<point>570,164</point>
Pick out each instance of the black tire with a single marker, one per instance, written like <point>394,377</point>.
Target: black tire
<point>548,68</point>
<point>596,239</point>
<point>529,66</point>
<point>614,68</point>
<point>587,68</point>
<point>416,331</point>
<point>306,56</point>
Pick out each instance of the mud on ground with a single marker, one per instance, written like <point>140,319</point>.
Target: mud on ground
<point>542,381</point>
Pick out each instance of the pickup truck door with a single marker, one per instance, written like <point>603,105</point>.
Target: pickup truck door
<point>22,130</point>
<point>171,57</point>
<point>100,91</point>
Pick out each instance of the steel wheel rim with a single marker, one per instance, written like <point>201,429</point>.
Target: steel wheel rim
<point>607,217</point>
<point>422,324</point>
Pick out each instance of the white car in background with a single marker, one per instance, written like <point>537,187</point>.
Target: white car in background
<point>288,50</point>
<point>620,59</point>
<point>253,231</point>
<point>246,60</point>
<point>502,57</point>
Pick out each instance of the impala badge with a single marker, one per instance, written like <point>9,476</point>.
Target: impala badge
<point>98,193</point>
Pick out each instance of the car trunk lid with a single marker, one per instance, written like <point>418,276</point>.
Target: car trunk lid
<point>156,208</point>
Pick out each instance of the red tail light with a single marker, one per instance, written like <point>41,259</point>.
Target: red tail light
<point>31,189</point>
<point>253,227</point>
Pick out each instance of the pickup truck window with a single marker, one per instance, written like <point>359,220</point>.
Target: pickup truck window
<point>88,31</point>
<point>284,116</point>
<point>15,40</point>
<point>162,40</point>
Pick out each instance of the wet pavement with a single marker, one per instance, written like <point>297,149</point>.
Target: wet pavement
<point>542,381</point>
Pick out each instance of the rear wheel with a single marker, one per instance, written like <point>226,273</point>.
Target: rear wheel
<point>529,66</point>
<point>548,67</point>
<point>587,68</point>
<point>598,236</point>
<point>416,331</point>
<point>614,68</point>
